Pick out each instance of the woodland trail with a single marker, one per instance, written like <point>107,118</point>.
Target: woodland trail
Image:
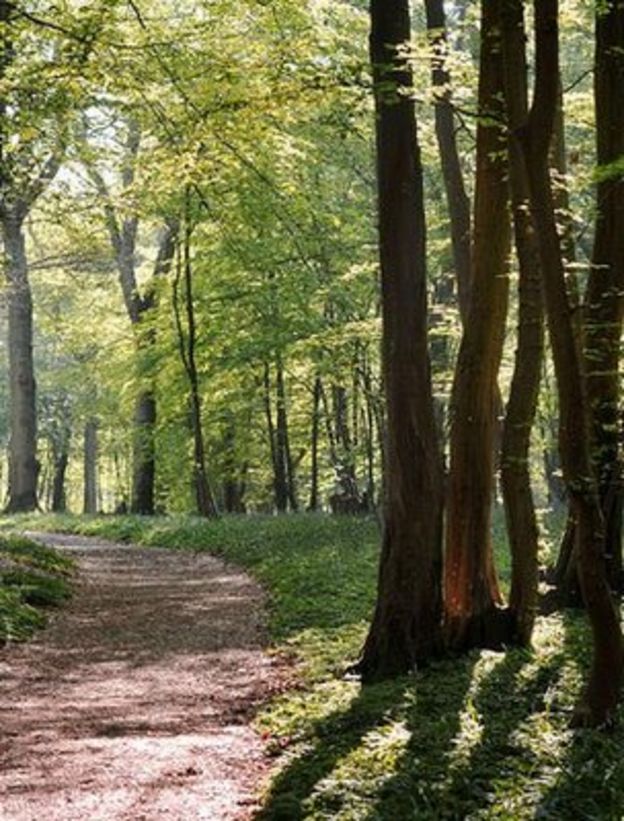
<point>135,702</point>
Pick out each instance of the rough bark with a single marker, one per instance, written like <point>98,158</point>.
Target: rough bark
<point>522,525</point>
<point>473,613</point>
<point>406,627</point>
<point>90,466</point>
<point>603,690</point>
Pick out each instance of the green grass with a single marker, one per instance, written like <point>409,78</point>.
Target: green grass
<point>485,736</point>
<point>32,578</point>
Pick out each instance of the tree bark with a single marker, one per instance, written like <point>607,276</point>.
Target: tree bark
<point>406,627</point>
<point>604,301</point>
<point>23,465</point>
<point>90,467</point>
<point>603,690</point>
<point>522,525</point>
<point>206,503</point>
<point>474,616</point>
<point>313,504</point>
<point>283,436</point>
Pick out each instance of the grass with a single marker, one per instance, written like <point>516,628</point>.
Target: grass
<point>32,579</point>
<point>484,736</point>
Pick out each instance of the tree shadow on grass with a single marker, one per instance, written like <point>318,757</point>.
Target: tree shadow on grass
<point>448,785</point>
<point>590,776</point>
<point>431,702</point>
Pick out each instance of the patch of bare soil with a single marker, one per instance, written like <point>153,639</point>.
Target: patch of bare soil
<point>135,702</point>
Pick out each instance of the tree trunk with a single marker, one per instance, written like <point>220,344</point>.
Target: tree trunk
<point>457,200</point>
<point>280,486</point>
<point>143,454</point>
<point>473,613</point>
<point>90,467</point>
<point>522,525</point>
<point>206,504</point>
<point>23,465</point>
<point>406,627</point>
<point>283,437</point>
<point>604,301</point>
<point>314,442</point>
<point>60,452</point>
<point>602,693</point>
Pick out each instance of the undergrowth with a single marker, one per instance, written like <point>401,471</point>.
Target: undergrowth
<point>484,736</point>
<point>32,579</point>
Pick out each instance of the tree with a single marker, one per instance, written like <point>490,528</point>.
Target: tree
<point>474,616</point>
<point>24,176</point>
<point>602,692</point>
<point>406,627</point>
<point>522,405</point>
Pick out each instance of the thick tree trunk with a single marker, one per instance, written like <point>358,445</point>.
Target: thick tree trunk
<point>473,613</point>
<point>522,406</point>
<point>406,626</point>
<point>23,465</point>
<point>90,467</point>
<point>603,690</point>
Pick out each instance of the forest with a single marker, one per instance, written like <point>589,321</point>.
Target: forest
<point>311,430</point>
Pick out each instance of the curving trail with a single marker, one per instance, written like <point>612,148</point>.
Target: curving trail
<point>134,703</point>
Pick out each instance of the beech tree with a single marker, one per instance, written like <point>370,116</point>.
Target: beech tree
<point>406,627</point>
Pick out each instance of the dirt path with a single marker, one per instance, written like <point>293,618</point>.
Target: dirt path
<point>133,704</point>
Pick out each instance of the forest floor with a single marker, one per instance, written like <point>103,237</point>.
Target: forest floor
<point>482,737</point>
<point>135,702</point>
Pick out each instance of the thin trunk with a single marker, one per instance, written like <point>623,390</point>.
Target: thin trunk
<point>61,461</point>
<point>283,437</point>
<point>473,613</point>
<point>280,485</point>
<point>602,693</point>
<point>406,627</point>
<point>187,341</point>
<point>314,442</point>
<point>522,406</point>
<point>457,199</point>
<point>90,466</point>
